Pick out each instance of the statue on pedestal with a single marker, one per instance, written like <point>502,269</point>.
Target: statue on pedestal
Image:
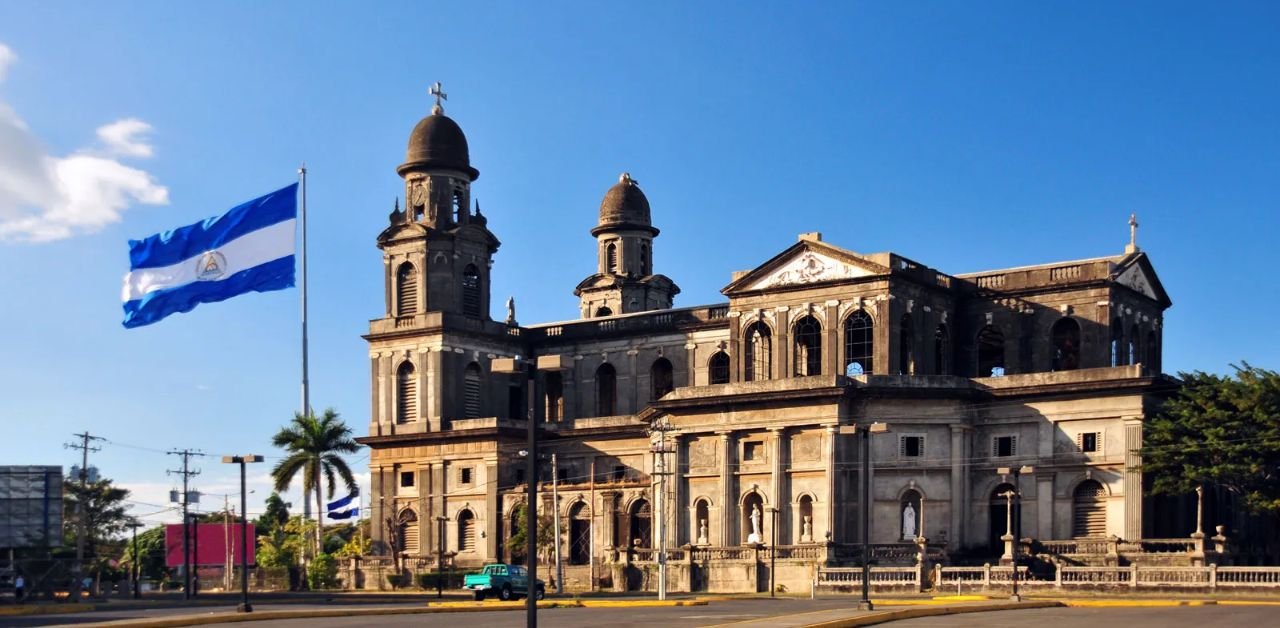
<point>909,522</point>
<point>806,530</point>
<point>702,533</point>
<point>755,536</point>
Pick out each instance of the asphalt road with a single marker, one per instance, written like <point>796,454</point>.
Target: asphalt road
<point>1166,617</point>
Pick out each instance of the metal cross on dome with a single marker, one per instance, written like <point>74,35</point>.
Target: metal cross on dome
<point>439,94</point>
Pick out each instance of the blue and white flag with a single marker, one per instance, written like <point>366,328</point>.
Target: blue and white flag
<point>247,249</point>
<point>343,508</point>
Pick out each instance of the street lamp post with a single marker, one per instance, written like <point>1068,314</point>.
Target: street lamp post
<point>1016,498</point>
<point>244,606</point>
<point>515,366</point>
<point>865,431</point>
<point>134,571</point>
<point>773,556</point>
<point>440,521</point>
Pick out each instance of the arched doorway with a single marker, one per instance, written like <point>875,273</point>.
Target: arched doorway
<point>1066,345</point>
<point>999,523</point>
<point>407,526</point>
<point>579,534</point>
<point>1089,510</point>
<point>641,524</point>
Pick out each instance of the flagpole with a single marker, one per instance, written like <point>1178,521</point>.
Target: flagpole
<point>306,385</point>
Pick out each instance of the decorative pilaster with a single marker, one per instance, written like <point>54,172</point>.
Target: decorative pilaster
<point>727,501</point>
<point>435,391</point>
<point>777,444</point>
<point>377,507</point>
<point>1044,505</point>
<point>959,476</point>
<point>491,516</point>
<point>1132,478</point>
<point>833,495</point>
<point>691,351</point>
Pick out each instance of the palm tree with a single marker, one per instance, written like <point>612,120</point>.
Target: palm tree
<point>315,447</point>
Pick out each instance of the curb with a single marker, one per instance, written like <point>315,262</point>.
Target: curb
<point>23,611</point>
<point>913,613</point>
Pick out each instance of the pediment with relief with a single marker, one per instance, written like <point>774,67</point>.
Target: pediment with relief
<point>1135,277</point>
<point>807,268</point>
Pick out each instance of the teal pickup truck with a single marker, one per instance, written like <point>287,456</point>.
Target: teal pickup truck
<point>505,581</point>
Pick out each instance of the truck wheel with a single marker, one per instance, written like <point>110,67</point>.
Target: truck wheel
<point>505,593</point>
<point>478,596</point>
<point>539,593</point>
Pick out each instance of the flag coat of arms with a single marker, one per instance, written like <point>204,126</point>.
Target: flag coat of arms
<point>248,249</point>
<point>344,508</point>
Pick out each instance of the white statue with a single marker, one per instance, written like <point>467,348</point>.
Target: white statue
<point>909,522</point>
<point>755,536</point>
<point>511,310</point>
<point>702,533</point>
<point>806,530</point>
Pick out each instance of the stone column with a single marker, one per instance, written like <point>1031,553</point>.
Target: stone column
<point>424,387</point>
<point>777,446</point>
<point>1044,506</point>
<point>691,350</point>
<point>727,502</point>
<point>782,343</point>
<point>959,476</point>
<point>831,340</point>
<point>633,385</point>
<point>1132,478</point>
<point>491,511</point>
<point>426,507</point>
<point>381,394</point>
<point>435,391</point>
<point>675,526</point>
<point>375,399</point>
<point>439,504</point>
<point>387,289</point>
<point>377,510</point>
<point>833,495</point>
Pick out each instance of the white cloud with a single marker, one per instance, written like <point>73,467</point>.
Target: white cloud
<point>44,197</point>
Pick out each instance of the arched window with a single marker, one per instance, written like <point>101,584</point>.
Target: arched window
<point>758,353</point>
<point>941,351</point>
<point>611,257</point>
<point>702,523</point>
<point>660,374</point>
<point>906,346</point>
<point>804,533</point>
<point>1117,342</point>
<point>859,343</point>
<point>604,310</point>
<point>406,393</point>
<point>1153,353</point>
<point>753,503</point>
<point>554,386</point>
<point>910,516</point>
<point>808,347</point>
<point>466,531</point>
<point>990,352</point>
<point>1135,352</point>
<point>1089,510</point>
<point>1066,344</point>
<point>646,263</point>
<point>579,534</point>
<point>471,391</point>
<point>718,367</point>
<point>471,291</point>
<point>641,524</point>
<point>406,290</point>
<point>606,390</point>
<point>407,526</point>
<point>1000,522</point>
<point>459,205</point>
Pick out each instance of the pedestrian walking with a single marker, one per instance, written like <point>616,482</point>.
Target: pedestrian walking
<point>19,586</point>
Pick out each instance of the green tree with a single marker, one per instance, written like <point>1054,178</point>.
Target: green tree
<point>275,550</point>
<point>102,507</point>
<point>150,554</point>
<point>276,513</point>
<point>315,447</point>
<point>518,543</point>
<point>1222,431</point>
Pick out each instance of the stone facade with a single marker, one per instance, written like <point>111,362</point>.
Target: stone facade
<point>1054,366</point>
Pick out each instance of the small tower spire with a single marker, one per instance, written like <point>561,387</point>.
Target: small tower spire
<point>1133,235</point>
<point>438,91</point>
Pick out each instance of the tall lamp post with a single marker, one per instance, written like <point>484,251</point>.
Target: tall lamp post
<point>516,366</point>
<point>244,606</point>
<point>1016,502</point>
<point>865,430</point>
<point>773,556</point>
<point>440,521</point>
<point>134,572</point>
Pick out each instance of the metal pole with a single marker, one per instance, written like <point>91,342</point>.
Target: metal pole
<point>555,509</point>
<point>662,515</point>
<point>306,385</point>
<point>531,509</point>
<point>865,604</point>
<point>773,556</point>
<point>440,556</point>
<point>1017,531</point>
<point>137,594</point>
<point>186,535</point>
<point>245,607</point>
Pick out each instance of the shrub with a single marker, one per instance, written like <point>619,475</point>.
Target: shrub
<point>322,573</point>
<point>397,580</point>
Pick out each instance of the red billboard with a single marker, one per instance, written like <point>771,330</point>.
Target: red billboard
<point>208,543</point>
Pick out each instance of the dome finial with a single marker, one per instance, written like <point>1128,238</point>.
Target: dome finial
<point>437,91</point>
<point>626,178</point>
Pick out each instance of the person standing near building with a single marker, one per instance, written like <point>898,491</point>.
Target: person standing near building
<point>19,586</point>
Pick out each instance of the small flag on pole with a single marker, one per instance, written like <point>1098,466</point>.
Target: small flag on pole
<point>248,249</point>
<point>343,508</point>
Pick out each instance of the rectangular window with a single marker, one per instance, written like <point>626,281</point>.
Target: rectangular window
<point>519,476</point>
<point>752,451</point>
<point>562,474</point>
<point>1005,446</point>
<point>406,479</point>
<point>464,476</point>
<point>911,446</point>
<point>1090,442</point>
<point>619,473</point>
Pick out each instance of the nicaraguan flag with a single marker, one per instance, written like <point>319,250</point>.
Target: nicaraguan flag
<point>247,249</point>
<point>343,508</point>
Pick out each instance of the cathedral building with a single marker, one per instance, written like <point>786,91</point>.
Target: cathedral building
<point>758,398</point>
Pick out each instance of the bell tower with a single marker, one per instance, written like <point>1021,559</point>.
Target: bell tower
<point>624,281</point>
<point>437,251</point>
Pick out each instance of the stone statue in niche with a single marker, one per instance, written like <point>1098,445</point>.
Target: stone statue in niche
<point>755,536</point>
<point>909,522</point>
<point>702,533</point>
<point>806,530</point>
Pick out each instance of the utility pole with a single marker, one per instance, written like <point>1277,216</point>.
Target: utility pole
<point>186,474</point>
<point>659,449</point>
<point>226,543</point>
<point>555,511</point>
<point>82,516</point>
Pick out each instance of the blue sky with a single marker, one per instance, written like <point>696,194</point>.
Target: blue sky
<point>966,136</point>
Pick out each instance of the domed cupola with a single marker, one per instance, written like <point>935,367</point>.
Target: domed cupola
<point>437,142</point>
<point>624,207</point>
